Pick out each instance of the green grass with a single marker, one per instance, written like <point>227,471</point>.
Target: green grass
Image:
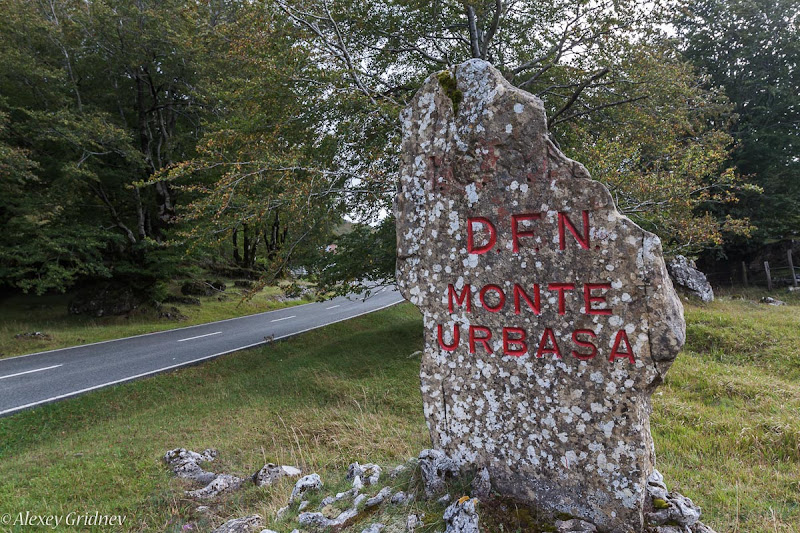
<point>726,423</point>
<point>48,314</point>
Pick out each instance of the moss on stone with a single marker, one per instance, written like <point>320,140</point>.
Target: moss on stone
<point>659,503</point>
<point>448,83</point>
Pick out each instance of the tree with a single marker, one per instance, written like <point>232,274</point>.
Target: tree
<point>750,49</point>
<point>99,95</point>
<point>618,95</point>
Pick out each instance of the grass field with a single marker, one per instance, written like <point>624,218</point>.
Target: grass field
<point>48,314</point>
<point>726,423</point>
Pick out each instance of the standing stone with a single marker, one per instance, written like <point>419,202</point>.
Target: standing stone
<point>549,317</point>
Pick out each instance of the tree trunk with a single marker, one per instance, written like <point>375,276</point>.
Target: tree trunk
<point>236,257</point>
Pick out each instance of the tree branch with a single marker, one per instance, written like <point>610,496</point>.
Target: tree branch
<point>594,77</point>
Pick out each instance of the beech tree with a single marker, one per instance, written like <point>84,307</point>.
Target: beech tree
<point>98,96</point>
<point>750,50</point>
<point>619,96</point>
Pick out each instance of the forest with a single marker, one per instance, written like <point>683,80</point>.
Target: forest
<point>144,140</point>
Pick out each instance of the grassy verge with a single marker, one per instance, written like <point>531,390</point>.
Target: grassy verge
<point>726,423</point>
<point>48,314</point>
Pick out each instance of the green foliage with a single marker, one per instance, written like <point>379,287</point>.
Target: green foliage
<point>749,48</point>
<point>364,257</point>
<point>96,96</point>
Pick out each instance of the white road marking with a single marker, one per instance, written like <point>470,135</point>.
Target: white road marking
<point>130,378</point>
<point>29,371</point>
<point>333,307</point>
<point>154,333</point>
<point>284,318</point>
<point>200,336</point>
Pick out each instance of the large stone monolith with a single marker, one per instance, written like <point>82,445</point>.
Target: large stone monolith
<point>549,317</point>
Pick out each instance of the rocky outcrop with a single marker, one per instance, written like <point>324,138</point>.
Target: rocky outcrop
<point>461,517</point>
<point>248,524</point>
<point>685,275</point>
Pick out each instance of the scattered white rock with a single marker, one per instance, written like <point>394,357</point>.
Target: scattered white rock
<point>268,531</point>
<point>461,517</point>
<point>373,528</point>
<point>270,473</point>
<point>369,473</point>
<point>413,522</point>
<point>436,469</point>
<point>575,526</point>
<point>681,510</point>
<point>379,498</point>
<point>240,525</point>
<point>304,484</point>
<point>396,471</point>
<point>399,498</point>
<point>320,521</point>
<point>685,274</point>
<point>281,512</point>
<point>656,488</point>
<point>291,471</point>
<point>303,505</point>
<point>203,509</point>
<point>222,483</point>
<point>185,464</point>
<point>444,500</point>
<point>769,300</point>
<point>340,496</point>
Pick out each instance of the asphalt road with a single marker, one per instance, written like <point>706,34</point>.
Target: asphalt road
<point>30,380</point>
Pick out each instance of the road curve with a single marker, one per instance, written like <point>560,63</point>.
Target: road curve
<point>35,379</point>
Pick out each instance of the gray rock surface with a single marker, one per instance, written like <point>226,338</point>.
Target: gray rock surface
<point>413,522</point>
<point>384,494</point>
<point>374,528</point>
<point>221,483</point>
<point>304,484</point>
<point>367,474</point>
<point>490,215</point>
<point>461,517</point>
<point>769,300</point>
<point>270,473</point>
<point>482,484</point>
<point>240,525</point>
<point>673,512</point>
<point>185,464</point>
<point>399,498</point>
<point>684,274</point>
<point>318,521</point>
<point>575,526</point>
<point>437,468</point>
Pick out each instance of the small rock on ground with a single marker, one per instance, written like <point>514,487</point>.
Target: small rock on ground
<point>575,526</point>
<point>184,464</point>
<point>461,517</point>
<point>413,522</point>
<point>373,528</point>
<point>304,484</point>
<point>240,525</point>
<point>270,473</point>
<point>222,483</point>
<point>436,469</point>
<point>379,498</point>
